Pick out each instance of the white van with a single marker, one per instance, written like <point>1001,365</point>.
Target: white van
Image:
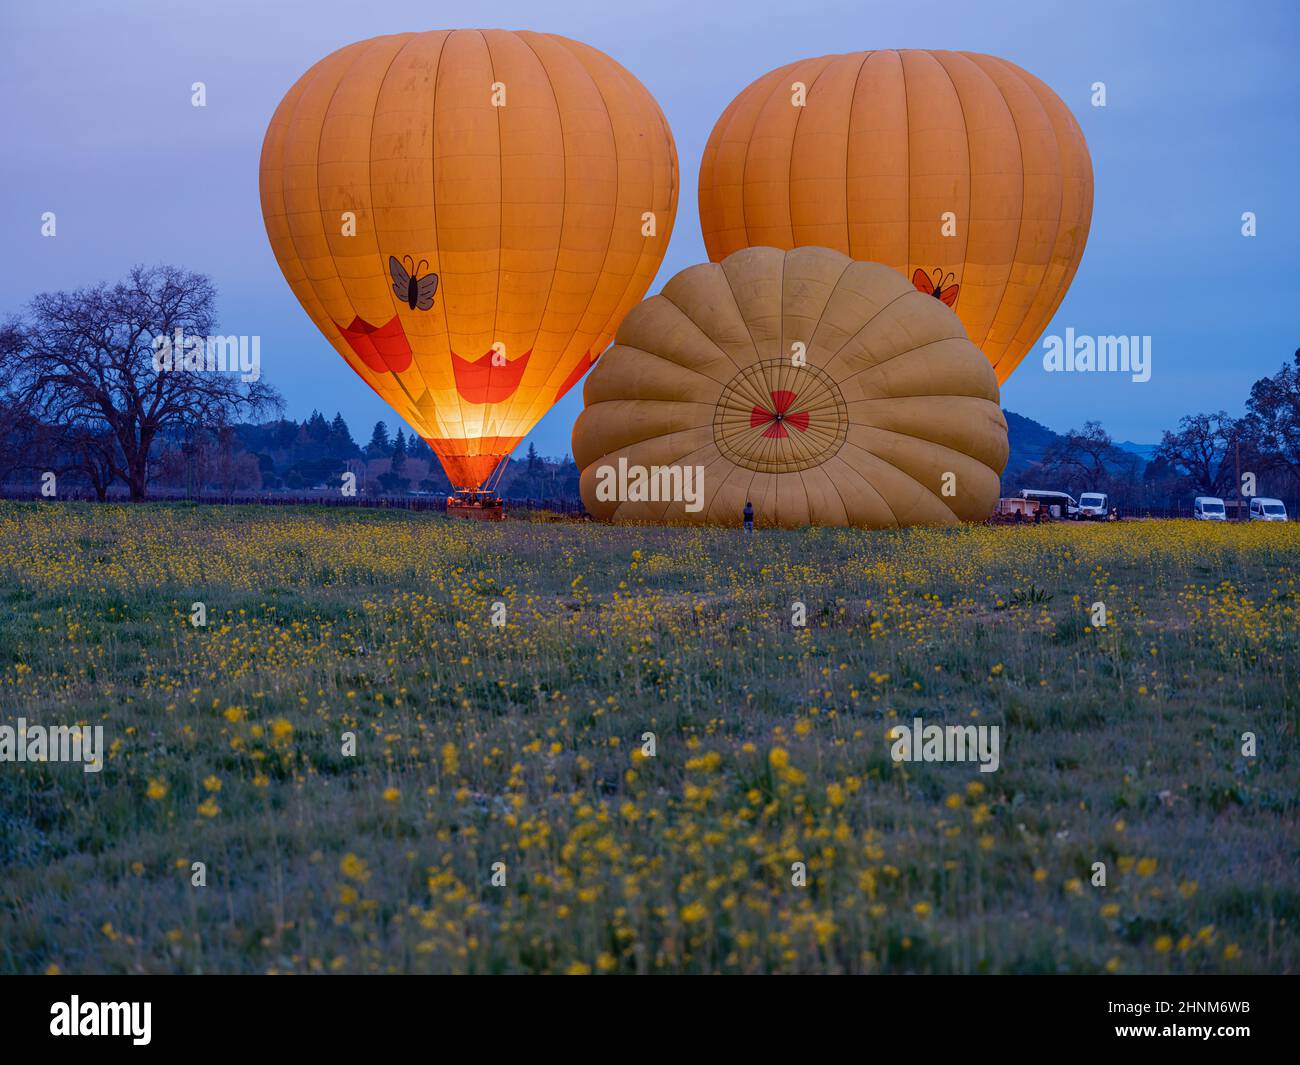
<point>1264,509</point>
<point>1057,504</point>
<point>1209,508</point>
<point>1092,505</point>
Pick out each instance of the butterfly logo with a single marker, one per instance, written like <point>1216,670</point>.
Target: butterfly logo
<point>938,288</point>
<point>408,285</point>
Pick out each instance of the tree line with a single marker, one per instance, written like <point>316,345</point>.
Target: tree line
<point>81,396</point>
<point>1206,455</point>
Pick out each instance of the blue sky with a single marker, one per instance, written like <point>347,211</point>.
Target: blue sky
<point>1202,124</point>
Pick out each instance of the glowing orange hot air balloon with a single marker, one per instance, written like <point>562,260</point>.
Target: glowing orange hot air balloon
<point>962,171</point>
<point>467,215</point>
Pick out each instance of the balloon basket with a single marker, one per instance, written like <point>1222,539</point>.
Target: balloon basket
<point>476,505</point>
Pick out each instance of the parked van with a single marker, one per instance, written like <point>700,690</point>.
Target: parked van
<point>1057,504</point>
<point>1264,509</point>
<point>1209,508</point>
<point>1092,506</point>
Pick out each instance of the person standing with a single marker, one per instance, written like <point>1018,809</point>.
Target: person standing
<point>749,516</point>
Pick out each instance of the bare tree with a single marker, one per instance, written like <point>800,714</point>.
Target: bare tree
<point>1087,460</point>
<point>1080,455</point>
<point>84,362</point>
<point>1274,407</point>
<point>1203,449</point>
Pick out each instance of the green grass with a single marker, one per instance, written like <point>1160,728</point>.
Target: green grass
<point>478,745</point>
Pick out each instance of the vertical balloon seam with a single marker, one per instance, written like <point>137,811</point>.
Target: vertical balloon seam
<point>976,57</point>
<point>585,316</point>
<point>756,105</point>
<point>635,103</point>
<point>574,343</point>
<point>639,96</point>
<point>995,92</point>
<point>776,484</point>
<point>575,346</point>
<point>410,38</point>
<point>749,486</point>
<point>271,189</point>
<point>707,163</point>
<point>907,144</point>
<point>486,426</point>
<point>1042,292</point>
<point>794,137</point>
<point>437,236</point>
<point>526,418</point>
<point>438,428</point>
<point>648,111</point>
<point>443,426</point>
<point>970,171</point>
<point>1011,73</point>
<point>1085,206</point>
<point>359,55</point>
<point>820,317</point>
<point>744,172</point>
<point>508,416</point>
<point>655,115</point>
<point>1044,307</point>
<point>621,161</point>
<point>848,140</point>
<point>310,283</point>
<point>734,109</point>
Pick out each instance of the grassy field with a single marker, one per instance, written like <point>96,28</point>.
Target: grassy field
<point>521,744</point>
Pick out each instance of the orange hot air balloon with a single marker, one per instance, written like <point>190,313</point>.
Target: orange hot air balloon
<point>817,389</point>
<point>467,215</point>
<point>960,170</point>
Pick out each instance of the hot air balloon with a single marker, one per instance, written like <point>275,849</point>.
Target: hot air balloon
<point>822,390</point>
<point>961,171</point>
<point>467,215</point>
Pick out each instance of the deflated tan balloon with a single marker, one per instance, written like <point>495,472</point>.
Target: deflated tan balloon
<point>467,215</point>
<point>892,418</point>
<point>954,168</point>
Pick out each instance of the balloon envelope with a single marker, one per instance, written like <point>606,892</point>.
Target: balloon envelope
<point>962,171</point>
<point>824,391</point>
<point>467,215</point>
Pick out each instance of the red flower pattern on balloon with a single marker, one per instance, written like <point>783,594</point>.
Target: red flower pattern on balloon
<point>777,416</point>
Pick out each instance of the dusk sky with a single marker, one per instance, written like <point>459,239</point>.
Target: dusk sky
<point>1201,123</point>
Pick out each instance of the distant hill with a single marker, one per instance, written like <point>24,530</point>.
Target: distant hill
<point>1028,440</point>
<point>1146,452</point>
